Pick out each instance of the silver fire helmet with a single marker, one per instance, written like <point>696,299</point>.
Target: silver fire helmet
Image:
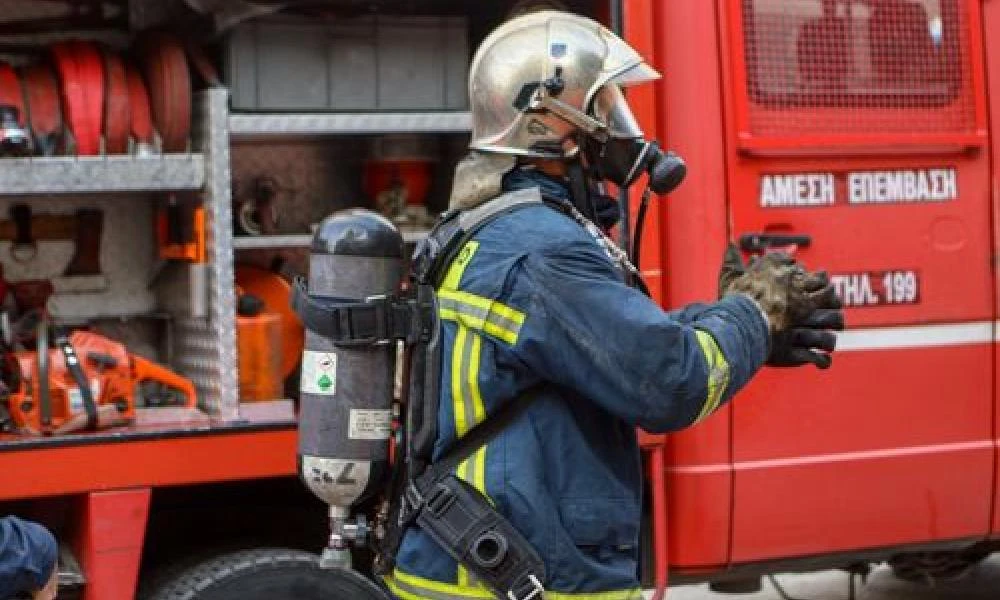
<point>541,77</point>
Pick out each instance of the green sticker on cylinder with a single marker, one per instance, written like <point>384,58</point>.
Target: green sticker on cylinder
<point>319,373</point>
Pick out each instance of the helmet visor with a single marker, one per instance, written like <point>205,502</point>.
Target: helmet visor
<point>611,109</point>
<point>640,73</point>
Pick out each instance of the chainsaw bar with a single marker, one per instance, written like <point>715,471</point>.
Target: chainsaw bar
<point>117,118</point>
<point>165,67</point>
<point>41,100</point>
<point>81,72</point>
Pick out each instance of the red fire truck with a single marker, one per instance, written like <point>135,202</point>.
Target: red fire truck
<point>856,134</point>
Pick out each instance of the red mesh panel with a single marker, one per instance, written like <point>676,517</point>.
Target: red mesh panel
<point>857,66</point>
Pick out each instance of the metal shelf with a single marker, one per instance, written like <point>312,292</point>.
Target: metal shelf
<point>303,240</point>
<point>84,174</point>
<point>270,124</point>
<point>257,242</point>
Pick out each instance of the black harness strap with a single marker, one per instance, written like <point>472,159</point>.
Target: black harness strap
<point>473,440</point>
<point>375,320</point>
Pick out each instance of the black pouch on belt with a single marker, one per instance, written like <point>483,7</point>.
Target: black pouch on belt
<point>463,522</point>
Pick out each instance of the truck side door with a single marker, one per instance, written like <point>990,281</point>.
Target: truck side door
<point>857,138</point>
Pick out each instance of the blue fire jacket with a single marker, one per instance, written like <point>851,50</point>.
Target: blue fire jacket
<point>533,298</point>
<point>27,556</point>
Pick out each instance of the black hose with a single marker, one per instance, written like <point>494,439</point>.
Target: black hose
<point>640,221</point>
<point>636,243</point>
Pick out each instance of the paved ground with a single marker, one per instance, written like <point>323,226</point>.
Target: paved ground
<point>981,584</point>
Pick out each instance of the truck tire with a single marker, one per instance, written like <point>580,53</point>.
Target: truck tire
<point>265,574</point>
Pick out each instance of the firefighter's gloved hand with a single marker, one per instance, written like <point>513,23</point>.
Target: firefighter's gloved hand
<point>811,291</point>
<point>809,342</point>
<point>767,279</point>
<point>788,294</point>
<point>810,339</point>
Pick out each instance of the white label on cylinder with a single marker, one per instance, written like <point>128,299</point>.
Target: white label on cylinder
<point>319,373</point>
<point>369,424</point>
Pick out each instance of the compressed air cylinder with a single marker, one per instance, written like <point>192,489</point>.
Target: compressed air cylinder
<point>346,392</point>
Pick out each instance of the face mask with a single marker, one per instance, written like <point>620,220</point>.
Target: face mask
<point>621,161</point>
<point>623,154</point>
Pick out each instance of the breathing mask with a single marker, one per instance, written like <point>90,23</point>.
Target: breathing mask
<point>622,154</point>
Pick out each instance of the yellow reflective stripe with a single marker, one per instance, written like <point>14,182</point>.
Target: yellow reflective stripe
<point>476,312</point>
<point>461,418</point>
<point>482,314</point>
<point>411,587</point>
<point>472,377</point>
<point>477,323</point>
<point>457,268</point>
<point>462,470</point>
<point>504,334</point>
<point>418,588</point>
<point>487,304</point>
<point>479,408</point>
<point>471,313</point>
<point>399,592</point>
<point>463,576</point>
<point>457,398</point>
<point>479,473</point>
<point>635,594</point>
<point>472,469</point>
<point>718,373</point>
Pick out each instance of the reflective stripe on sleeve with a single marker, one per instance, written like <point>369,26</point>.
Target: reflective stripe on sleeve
<point>482,314</point>
<point>718,373</point>
<point>476,312</point>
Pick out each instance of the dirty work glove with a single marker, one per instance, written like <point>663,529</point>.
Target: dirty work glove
<point>810,339</point>
<point>810,342</point>
<point>802,307</point>
<point>768,280</point>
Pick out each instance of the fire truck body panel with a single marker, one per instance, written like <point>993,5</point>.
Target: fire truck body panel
<point>693,229</point>
<point>889,448</point>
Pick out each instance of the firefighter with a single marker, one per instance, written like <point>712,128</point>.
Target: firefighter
<point>27,560</point>
<point>537,296</point>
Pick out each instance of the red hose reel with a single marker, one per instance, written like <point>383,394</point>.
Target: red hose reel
<point>86,99</point>
<point>81,77</point>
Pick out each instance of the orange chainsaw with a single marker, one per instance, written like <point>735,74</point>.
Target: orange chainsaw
<point>86,381</point>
